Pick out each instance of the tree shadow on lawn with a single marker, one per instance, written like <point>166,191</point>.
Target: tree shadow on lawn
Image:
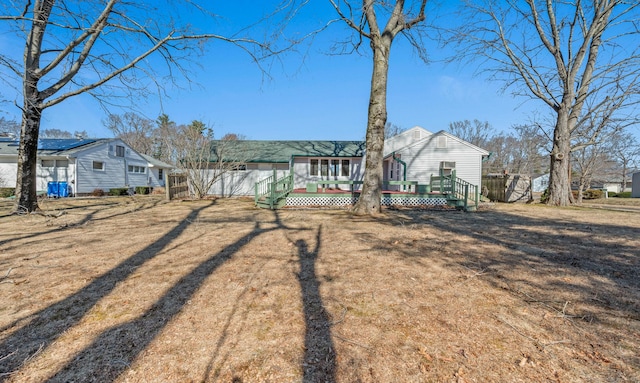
<point>112,352</point>
<point>319,362</point>
<point>90,217</point>
<point>558,248</point>
<point>48,324</point>
<point>123,343</point>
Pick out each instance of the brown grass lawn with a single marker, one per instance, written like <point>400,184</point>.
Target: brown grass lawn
<point>141,290</point>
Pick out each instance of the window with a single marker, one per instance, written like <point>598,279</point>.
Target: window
<point>346,168</point>
<point>329,167</point>
<point>324,168</point>
<point>239,167</point>
<point>137,169</point>
<point>62,163</point>
<point>48,163</point>
<point>442,142</point>
<point>98,165</point>
<point>160,174</point>
<point>119,151</point>
<point>335,167</point>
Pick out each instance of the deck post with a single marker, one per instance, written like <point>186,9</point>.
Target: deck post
<point>466,196</point>
<point>273,188</point>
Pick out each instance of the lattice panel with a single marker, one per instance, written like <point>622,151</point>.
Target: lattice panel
<point>347,201</point>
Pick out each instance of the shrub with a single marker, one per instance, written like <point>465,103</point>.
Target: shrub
<point>592,194</point>
<point>624,195</point>
<point>545,196</point>
<point>7,192</point>
<point>143,190</point>
<point>119,191</point>
<point>612,194</point>
<point>98,193</point>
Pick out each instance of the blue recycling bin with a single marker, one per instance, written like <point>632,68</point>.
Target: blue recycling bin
<point>57,189</point>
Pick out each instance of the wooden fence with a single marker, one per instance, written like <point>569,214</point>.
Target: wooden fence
<point>177,186</point>
<point>507,188</point>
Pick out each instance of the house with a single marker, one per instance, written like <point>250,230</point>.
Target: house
<point>157,171</point>
<point>84,165</point>
<point>413,157</point>
<point>308,161</point>
<point>540,183</point>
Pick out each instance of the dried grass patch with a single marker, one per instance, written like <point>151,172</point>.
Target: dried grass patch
<point>137,290</point>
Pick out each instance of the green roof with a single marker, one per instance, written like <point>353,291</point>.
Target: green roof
<point>282,151</point>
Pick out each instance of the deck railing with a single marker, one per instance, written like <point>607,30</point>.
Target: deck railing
<point>271,191</point>
<point>263,188</point>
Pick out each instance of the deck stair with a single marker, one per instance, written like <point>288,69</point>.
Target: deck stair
<point>459,193</point>
<point>270,194</point>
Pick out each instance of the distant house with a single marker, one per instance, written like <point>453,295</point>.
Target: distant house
<point>412,157</point>
<point>157,171</point>
<point>540,183</point>
<point>84,165</point>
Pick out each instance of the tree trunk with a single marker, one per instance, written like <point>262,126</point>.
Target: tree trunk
<point>560,179</point>
<point>369,202</point>
<point>26,198</point>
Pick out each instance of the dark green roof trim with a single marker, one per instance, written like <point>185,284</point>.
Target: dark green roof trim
<point>282,151</point>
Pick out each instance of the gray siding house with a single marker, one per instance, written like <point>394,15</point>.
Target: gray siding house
<point>84,165</point>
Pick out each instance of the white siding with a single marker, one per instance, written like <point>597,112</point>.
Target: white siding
<point>242,182</point>
<point>8,171</point>
<point>301,175</point>
<point>56,173</point>
<point>404,139</point>
<point>423,160</point>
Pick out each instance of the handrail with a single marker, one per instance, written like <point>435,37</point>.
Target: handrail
<point>458,188</point>
<point>263,188</point>
<point>466,191</point>
<point>272,190</point>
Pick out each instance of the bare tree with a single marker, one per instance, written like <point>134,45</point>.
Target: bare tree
<point>135,130</point>
<point>108,49</point>
<point>625,150</point>
<point>9,128</point>
<point>201,158</point>
<point>574,56</point>
<point>391,130</point>
<point>476,132</point>
<point>364,21</point>
<point>587,163</point>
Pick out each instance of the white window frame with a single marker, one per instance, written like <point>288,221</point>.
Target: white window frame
<point>136,169</point>
<point>329,166</point>
<point>101,169</point>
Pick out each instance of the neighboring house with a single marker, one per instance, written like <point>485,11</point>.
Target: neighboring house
<point>613,185</point>
<point>540,183</point>
<point>157,171</point>
<point>84,164</point>
<point>414,155</point>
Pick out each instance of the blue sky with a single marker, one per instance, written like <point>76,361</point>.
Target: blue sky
<point>310,95</point>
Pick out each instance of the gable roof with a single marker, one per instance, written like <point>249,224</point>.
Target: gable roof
<point>426,138</point>
<point>156,163</point>
<point>282,151</point>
